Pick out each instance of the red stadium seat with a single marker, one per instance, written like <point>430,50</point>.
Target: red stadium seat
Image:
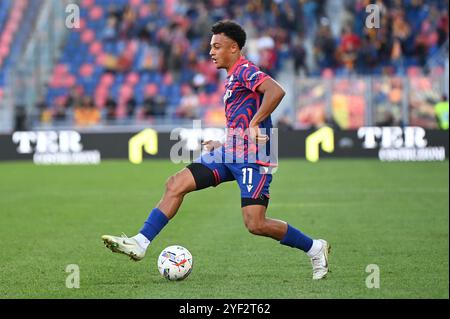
<point>82,26</point>
<point>61,69</point>
<point>168,79</point>
<point>107,80</point>
<point>59,77</point>
<point>21,4</point>
<point>87,36</point>
<point>16,15</point>
<point>4,51</point>
<point>96,48</point>
<point>414,71</point>
<point>144,11</point>
<point>126,91</point>
<point>133,78</point>
<point>151,89</point>
<point>7,38</point>
<point>135,3</point>
<point>70,81</point>
<point>87,3</point>
<point>203,99</point>
<point>96,13</point>
<point>60,100</point>
<point>100,96</point>
<point>101,58</point>
<point>86,70</point>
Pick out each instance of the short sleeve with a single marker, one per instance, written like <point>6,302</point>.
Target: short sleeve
<point>250,77</point>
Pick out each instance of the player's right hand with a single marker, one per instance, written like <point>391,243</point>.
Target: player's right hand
<point>210,145</point>
<point>257,136</point>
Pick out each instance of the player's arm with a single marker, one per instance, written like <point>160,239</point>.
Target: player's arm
<point>273,94</point>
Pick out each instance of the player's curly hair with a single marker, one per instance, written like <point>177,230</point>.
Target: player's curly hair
<point>232,30</point>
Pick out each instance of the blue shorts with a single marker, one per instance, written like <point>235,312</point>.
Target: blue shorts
<point>252,178</point>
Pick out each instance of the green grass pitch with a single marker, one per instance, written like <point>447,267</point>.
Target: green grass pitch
<point>393,215</point>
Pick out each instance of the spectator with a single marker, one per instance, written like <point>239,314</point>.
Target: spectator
<point>111,108</point>
<point>125,61</point>
<point>131,107</point>
<point>348,49</point>
<point>198,82</point>
<point>385,118</point>
<point>20,122</point>
<point>74,98</point>
<point>267,55</point>
<point>299,55</point>
<point>189,104</point>
<point>324,48</point>
<point>401,30</point>
<point>151,58</point>
<point>154,103</point>
<point>42,109</point>
<point>175,60</point>
<point>426,39</point>
<point>442,29</point>
<point>110,31</point>
<point>86,114</point>
<point>60,114</point>
<point>310,13</point>
<point>201,25</point>
<point>115,12</point>
<point>367,57</point>
<point>128,23</point>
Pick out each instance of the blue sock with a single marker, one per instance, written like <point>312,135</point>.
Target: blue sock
<point>154,223</point>
<point>295,238</point>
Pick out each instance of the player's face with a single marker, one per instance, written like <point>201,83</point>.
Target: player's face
<point>222,50</point>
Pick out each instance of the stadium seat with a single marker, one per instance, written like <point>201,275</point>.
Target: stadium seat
<point>96,13</point>
<point>87,3</point>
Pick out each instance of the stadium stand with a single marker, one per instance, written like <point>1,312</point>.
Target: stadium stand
<point>141,61</point>
<point>16,24</point>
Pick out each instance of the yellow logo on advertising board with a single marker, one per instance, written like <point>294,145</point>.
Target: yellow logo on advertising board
<point>324,138</point>
<point>145,140</point>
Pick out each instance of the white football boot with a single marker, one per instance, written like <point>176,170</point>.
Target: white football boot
<point>320,261</point>
<point>124,245</point>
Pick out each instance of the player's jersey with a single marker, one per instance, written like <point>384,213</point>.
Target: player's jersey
<point>242,102</point>
<point>240,99</point>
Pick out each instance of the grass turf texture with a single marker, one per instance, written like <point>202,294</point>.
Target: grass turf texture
<point>394,215</point>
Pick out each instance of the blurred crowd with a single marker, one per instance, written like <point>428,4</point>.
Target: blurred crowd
<point>161,50</point>
<point>406,33</point>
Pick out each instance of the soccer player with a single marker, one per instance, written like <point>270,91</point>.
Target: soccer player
<point>251,96</point>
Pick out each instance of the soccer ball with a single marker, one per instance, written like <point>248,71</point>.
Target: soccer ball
<point>175,263</point>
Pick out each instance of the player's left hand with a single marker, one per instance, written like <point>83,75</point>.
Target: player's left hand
<point>256,135</point>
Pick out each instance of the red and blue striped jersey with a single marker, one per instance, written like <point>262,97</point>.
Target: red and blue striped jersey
<point>242,101</point>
